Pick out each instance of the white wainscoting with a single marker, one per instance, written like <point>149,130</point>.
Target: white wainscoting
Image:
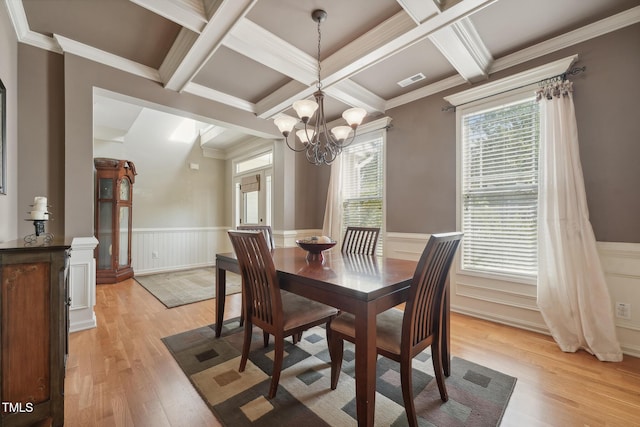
<point>82,284</point>
<point>156,250</point>
<point>515,304</point>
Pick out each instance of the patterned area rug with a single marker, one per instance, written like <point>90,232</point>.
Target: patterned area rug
<point>178,288</point>
<point>478,396</point>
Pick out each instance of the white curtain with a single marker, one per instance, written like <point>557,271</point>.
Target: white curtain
<point>332,225</point>
<point>572,292</point>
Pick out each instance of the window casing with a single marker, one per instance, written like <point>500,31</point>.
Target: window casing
<point>498,186</point>
<point>363,184</point>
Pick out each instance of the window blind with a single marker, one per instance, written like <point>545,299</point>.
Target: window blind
<point>250,183</point>
<point>500,189</point>
<point>362,184</point>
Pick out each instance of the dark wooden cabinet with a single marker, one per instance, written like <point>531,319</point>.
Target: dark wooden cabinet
<point>114,197</point>
<point>34,309</point>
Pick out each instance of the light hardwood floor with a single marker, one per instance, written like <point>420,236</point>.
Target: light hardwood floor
<point>120,374</point>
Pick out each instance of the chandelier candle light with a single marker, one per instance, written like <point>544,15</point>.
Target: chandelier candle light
<point>321,147</point>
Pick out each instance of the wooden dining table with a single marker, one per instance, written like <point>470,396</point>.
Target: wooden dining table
<point>359,284</point>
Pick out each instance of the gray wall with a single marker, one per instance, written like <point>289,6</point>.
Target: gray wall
<point>312,183</point>
<point>422,158</point>
<point>41,135</point>
<point>9,77</point>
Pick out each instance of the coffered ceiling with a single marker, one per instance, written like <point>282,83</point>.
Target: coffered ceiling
<point>259,55</point>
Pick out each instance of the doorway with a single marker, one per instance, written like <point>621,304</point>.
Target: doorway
<point>253,190</point>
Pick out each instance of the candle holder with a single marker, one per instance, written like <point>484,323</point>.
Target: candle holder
<point>38,224</point>
<point>39,217</point>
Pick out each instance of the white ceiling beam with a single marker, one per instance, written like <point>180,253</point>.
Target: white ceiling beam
<point>353,94</point>
<point>186,13</point>
<point>461,44</point>
<point>393,35</point>
<point>223,98</point>
<point>419,10</point>
<point>190,52</point>
<point>282,98</point>
<point>253,41</point>
<point>211,133</point>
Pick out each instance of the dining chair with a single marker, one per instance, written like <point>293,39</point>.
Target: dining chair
<point>266,229</point>
<point>268,235</point>
<point>275,311</point>
<point>360,240</point>
<point>403,335</point>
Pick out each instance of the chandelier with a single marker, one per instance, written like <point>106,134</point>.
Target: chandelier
<point>320,146</point>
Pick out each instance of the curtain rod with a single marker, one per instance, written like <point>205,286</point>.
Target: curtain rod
<point>557,78</point>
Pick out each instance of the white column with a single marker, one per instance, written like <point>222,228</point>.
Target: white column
<point>82,284</point>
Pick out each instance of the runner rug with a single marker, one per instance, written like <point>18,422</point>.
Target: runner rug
<point>478,396</point>
<point>178,288</point>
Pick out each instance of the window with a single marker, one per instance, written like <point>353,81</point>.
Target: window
<point>362,183</point>
<point>499,186</point>
<point>259,161</point>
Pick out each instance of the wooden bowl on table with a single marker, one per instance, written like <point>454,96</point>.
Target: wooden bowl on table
<point>314,248</point>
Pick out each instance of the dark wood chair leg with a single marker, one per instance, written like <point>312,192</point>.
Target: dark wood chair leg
<point>336,349</point>
<point>407,392</point>
<point>277,365</point>
<point>246,344</point>
<point>265,339</point>
<point>436,356</point>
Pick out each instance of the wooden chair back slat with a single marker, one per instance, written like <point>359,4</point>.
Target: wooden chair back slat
<point>360,240</point>
<point>265,229</point>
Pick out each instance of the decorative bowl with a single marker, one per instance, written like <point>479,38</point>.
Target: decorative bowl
<point>315,249</point>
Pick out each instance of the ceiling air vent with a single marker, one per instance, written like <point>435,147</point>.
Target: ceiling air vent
<point>411,80</point>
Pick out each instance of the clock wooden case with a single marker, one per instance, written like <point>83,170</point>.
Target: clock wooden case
<point>114,197</point>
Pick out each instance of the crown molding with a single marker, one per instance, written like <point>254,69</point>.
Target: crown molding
<point>214,153</point>
<point>106,58</point>
<point>425,91</point>
<point>23,32</point>
<point>599,28</point>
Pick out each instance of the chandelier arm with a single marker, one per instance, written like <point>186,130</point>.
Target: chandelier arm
<point>294,149</point>
<point>310,140</point>
<point>350,140</point>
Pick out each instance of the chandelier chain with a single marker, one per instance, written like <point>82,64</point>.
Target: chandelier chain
<point>319,85</point>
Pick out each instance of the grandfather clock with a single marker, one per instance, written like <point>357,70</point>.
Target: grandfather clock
<point>114,193</point>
